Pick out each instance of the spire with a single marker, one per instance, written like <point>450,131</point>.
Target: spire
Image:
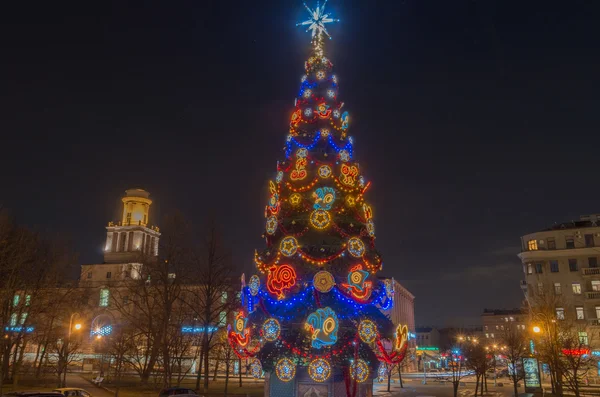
<point>316,23</point>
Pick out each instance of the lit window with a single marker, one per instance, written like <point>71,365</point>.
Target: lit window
<point>595,285</point>
<point>222,319</point>
<point>486,327</point>
<point>23,318</point>
<point>532,245</point>
<point>224,297</point>
<point>16,300</point>
<point>104,297</point>
<point>497,327</point>
<point>27,300</point>
<point>579,311</point>
<point>512,319</point>
<point>576,288</point>
<point>506,319</point>
<point>557,289</point>
<point>487,336</point>
<point>583,337</point>
<point>560,313</point>
<point>492,336</point>
<point>502,327</point>
<point>13,319</point>
<point>529,268</point>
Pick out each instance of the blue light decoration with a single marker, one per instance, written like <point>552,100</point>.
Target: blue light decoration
<point>254,285</point>
<point>256,369</point>
<point>102,331</point>
<point>345,120</point>
<point>292,142</point>
<point>317,20</point>
<point>319,370</point>
<point>357,285</point>
<point>288,246</point>
<point>285,369</point>
<point>359,370</point>
<point>271,225</point>
<point>323,325</point>
<point>356,247</point>
<point>188,329</point>
<point>271,329</point>
<point>19,328</point>
<point>279,177</point>
<point>381,372</point>
<point>324,198</point>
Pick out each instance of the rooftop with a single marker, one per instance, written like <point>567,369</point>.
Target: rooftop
<point>502,312</point>
<point>584,221</point>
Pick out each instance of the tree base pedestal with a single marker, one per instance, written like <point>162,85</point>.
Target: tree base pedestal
<point>303,386</point>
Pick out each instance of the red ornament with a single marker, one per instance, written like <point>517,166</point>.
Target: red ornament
<point>279,279</point>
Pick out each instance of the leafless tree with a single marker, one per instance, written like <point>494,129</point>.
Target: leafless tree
<point>575,360</point>
<point>514,348</point>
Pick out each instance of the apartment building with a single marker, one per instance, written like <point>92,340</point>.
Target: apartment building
<point>497,321</point>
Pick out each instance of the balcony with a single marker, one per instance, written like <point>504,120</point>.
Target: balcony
<point>593,295</point>
<point>593,321</point>
<point>590,271</point>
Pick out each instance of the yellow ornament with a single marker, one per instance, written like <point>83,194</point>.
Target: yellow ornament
<point>323,281</point>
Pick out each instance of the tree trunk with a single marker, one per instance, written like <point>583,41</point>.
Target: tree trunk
<point>226,374</point>
<point>400,376</point>
<point>476,384</point>
<point>455,387</point>
<point>199,370</point>
<point>205,347</point>
<point>218,361</point>
<point>515,382</point>
<point>240,370</point>
<point>389,374</point>
<point>484,383</point>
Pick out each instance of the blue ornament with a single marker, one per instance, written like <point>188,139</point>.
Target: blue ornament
<point>323,325</point>
<point>324,198</point>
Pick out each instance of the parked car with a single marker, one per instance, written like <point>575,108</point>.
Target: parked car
<point>73,392</point>
<point>177,391</point>
<point>33,394</point>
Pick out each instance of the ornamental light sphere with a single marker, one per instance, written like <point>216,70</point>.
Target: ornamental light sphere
<point>256,368</point>
<point>285,369</point>
<point>307,93</point>
<point>295,199</point>
<point>359,370</point>
<point>320,219</point>
<point>356,247</point>
<point>319,370</point>
<point>271,224</point>
<point>320,75</point>
<point>308,112</point>
<point>367,331</point>
<point>288,246</point>
<point>271,329</point>
<point>323,281</point>
<point>254,285</point>
<point>324,171</point>
<point>330,93</point>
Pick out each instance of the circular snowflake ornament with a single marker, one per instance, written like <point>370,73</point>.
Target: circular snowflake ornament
<point>256,368</point>
<point>367,331</point>
<point>336,113</point>
<point>271,224</point>
<point>324,171</point>
<point>307,93</point>
<point>279,177</point>
<point>271,329</point>
<point>320,75</point>
<point>371,228</point>
<point>359,370</point>
<point>381,372</point>
<point>308,112</point>
<point>320,219</point>
<point>288,246</point>
<point>330,93</point>
<point>285,369</point>
<point>319,370</point>
<point>356,247</point>
<point>344,155</point>
<point>254,285</point>
<point>323,281</point>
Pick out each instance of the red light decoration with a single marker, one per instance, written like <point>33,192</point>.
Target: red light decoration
<point>296,117</point>
<point>279,279</point>
<point>349,174</point>
<point>575,352</point>
<point>240,334</point>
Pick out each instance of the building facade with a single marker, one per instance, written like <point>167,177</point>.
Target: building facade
<point>427,337</point>
<point>497,321</point>
<point>563,260</point>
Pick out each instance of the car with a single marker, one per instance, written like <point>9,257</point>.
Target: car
<point>177,391</point>
<point>32,394</point>
<point>73,391</point>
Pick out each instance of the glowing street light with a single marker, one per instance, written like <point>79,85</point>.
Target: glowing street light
<point>77,327</point>
<point>537,329</point>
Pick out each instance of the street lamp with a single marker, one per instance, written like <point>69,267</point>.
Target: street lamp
<point>537,329</point>
<point>77,327</point>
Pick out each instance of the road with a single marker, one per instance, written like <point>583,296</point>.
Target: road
<point>74,380</point>
<point>413,388</point>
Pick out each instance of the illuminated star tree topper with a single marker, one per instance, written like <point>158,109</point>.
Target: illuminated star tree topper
<point>316,24</point>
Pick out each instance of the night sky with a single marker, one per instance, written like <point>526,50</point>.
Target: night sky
<point>476,121</point>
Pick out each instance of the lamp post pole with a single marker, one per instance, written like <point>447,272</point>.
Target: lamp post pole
<point>66,347</point>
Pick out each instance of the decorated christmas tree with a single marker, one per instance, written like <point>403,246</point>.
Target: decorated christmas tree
<point>316,304</point>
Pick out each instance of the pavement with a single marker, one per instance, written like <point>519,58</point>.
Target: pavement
<point>413,388</point>
<point>75,380</point>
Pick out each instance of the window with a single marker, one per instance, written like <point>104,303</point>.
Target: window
<point>16,300</point>
<point>560,313</point>
<point>583,337</point>
<point>27,300</point>
<point>554,266</point>
<point>557,289</point>
<point>570,242</point>
<point>596,286</point>
<point>538,268</point>
<point>89,275</point>
<point>512,319</point>
<point>506,319</point>
<point>576,288</point>
<point>589,240</point>
<point>532,245</point>
<point>573,265</point>
<point>13,319</point>
<point>492,336</point>
<point>529,268</point>
<point>502,327</point>
<point>486,327</point>
<point>597,312</point>
<point>104,297</point>
<point>224,297</point>
<point>222,319</point>
<point>593,261</point>
<point>551,243</point>
<point>23,318</point>
<point>125,300</point>
<point>579,311</point>
<point>488,336</point>
<point>108,274</point>
<point>540,288</point>
<point>497,327</point>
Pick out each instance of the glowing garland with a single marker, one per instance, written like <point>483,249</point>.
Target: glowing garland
<point>319,370</point>
<point>359,370</point>
<point>292,141</point>
<point>285,369</point>
<point>271,329</point>
<point>367,331</point>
